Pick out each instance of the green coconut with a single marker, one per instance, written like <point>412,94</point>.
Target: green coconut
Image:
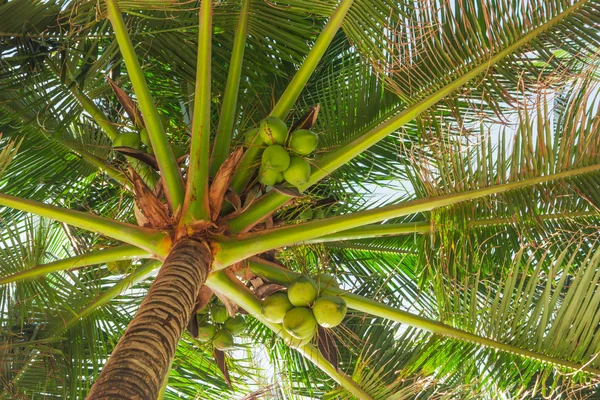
<point>303,291</point>
<point>206,331</point>
<point>252,138</point>
<point>268,177</point>
<point>275,306</point>
<point>298,173</point>
<point>276,157</point>
<point>146,140</point>
<point>219,313</point>
<point>319,213</point>
<point>145,137</point>
<point>273,131</point>
<point>280,177</point>
<point>118,267</point>
<point>223,340</point>
<point>306,214</point>
<point>300,322</point>
<point>303,141</point>
<point>127,139</point>
<point>236,325</point>
<point>295,343</point>
<point>328,280</point>
<point>329,311</point>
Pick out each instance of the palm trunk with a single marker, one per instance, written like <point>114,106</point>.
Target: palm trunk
<point>139,363</point>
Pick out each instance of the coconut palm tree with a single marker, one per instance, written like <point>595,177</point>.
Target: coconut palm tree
<point>453,196</point>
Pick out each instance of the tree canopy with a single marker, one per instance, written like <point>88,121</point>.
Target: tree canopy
<point>454,193</point>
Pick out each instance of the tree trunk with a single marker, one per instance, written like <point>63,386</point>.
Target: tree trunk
<point>138,365</point>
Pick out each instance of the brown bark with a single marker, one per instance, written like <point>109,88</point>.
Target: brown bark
<point>141,359</point>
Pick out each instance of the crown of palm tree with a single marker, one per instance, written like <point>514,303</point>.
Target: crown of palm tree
<point>453,195</point>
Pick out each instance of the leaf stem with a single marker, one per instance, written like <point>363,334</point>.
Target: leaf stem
<point>293,90</point>
<point>381,230</point>
<point>97,162</point>
<point>361,142</point>
<point>230,252</point>
<point>228,110</point>
<point>97,115</point>
<point>196,205</point>
<point>244,298</point>
<point>123,252</point>
<point>283,276</point>
<point>154,241</point>
<point>371,231</point>
<point>160,144</point>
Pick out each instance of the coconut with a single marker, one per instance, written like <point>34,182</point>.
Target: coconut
<point>295,343</point>
<point>329,311</point>
<point>236,325</point>
<point>319,213</point>
<point>303,291</point>
<point>275,306</point>
<point>275,157</point>
<point>273,131</point>
<point>279,177</point>
<point>305,215</point>
<point>300,322</point>
<point>223,340</point>
<point>268,177</point>
<point>206,331</point>
<point>146,140</point>
<point>328,280</point>
<point>298,173</point>
<point>127,139</point>
<point>252,138</point>
<point>219,313</point>
<point>145,137</point>
<point>303,141</point>
<point>118,267</point>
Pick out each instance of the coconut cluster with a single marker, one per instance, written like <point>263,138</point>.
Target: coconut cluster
<point>219,328</point>
<point>284,157</point>
<point>302,308</point>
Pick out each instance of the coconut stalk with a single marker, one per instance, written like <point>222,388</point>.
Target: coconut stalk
<point>173,181</point>
<point>228,110</point>
<point>196,205</point>
<point>332,160</point>
<point>244,298</point>
<point>229,252</point>
<point>275,273</point>
<point>151,240</point>
<point>118,253</point>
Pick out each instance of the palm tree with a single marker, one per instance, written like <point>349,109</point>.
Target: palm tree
<point>454,195</point>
